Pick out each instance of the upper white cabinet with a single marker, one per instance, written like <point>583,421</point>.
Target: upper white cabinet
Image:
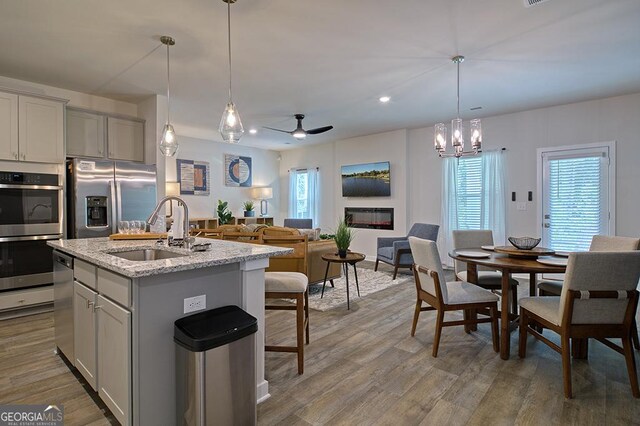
<point>8,126</point>
<point>125,139</point>
<point>40,130</point>
<point>85,134</point>
<point>31,128</point>
<point>94,134</point>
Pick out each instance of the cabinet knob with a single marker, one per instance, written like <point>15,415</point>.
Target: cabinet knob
<point>89,304</point>
<point>96,307</point>
<point>15,155</point>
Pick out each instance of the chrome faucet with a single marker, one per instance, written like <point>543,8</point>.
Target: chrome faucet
<point>187,240</point>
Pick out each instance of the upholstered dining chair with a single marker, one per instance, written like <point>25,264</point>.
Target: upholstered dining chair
<point>598,300</point>
<point>289,285</point>
<point>487,278</point>
<point>396,250</point>
<point>598,243</point>
<point>442,296</point>
<point>298,223</point>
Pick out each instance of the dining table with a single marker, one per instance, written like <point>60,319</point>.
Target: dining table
<point>508,265</point>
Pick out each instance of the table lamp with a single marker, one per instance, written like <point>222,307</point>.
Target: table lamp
<point>263,194</point>
<point>172,188</point>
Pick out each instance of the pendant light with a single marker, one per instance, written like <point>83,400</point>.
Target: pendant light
<point>457,130</point>
<point>168,142</point>
<point>230,125</point>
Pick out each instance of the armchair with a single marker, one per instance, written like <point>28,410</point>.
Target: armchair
<point>396,251</point>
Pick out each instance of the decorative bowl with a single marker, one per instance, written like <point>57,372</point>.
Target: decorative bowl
<point>524,243</point>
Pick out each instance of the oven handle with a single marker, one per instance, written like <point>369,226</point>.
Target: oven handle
<point>30,238</point>
<point>7,186</point>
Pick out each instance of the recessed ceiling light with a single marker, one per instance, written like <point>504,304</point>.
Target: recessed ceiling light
<point>384,99</point>
<point>253,131</point>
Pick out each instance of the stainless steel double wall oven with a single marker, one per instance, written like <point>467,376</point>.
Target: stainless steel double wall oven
<point>30,214</point>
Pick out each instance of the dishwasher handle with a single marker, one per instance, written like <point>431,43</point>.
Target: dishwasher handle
<point>63,259</point>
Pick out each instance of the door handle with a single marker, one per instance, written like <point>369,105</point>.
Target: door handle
<point>112,199</point>
<point>15,155</point>
<point>96,307</point>
<point>89,304</point>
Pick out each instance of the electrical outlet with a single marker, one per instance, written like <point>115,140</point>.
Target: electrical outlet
<point>521,206</point>
<point>196,303</point>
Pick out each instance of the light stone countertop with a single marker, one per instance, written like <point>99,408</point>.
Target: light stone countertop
<point>96,251</point>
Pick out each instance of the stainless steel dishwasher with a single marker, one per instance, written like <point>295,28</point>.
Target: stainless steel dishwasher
<point>63,303</point>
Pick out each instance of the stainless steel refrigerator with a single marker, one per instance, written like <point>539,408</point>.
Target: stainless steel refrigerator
<point>100,193</point>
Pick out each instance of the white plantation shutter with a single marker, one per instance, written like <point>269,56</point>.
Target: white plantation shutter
<point>576,198</point>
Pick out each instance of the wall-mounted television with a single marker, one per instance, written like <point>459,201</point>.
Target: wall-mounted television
<point>366,180</point>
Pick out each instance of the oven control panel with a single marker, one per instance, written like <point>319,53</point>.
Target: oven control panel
<point>18,178</point>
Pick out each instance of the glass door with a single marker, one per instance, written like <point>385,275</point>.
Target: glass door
<point>576,196</point>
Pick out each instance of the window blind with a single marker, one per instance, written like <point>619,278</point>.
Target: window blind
<point>469,193</point>
<point>577,203</point>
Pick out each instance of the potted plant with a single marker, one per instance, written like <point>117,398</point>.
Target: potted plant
<point>248,209</point>
<point>224,215</point>
<point>343,237</point>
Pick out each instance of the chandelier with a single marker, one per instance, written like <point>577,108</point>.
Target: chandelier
<point>457,129</point>
<point>230,125</point>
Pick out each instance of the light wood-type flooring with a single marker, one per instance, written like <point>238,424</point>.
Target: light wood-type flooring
<point>362,367</point>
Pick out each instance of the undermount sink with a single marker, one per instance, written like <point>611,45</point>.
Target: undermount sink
<point>141,255</point>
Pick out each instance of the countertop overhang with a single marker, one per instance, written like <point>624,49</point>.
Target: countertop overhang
<point>96,251</point>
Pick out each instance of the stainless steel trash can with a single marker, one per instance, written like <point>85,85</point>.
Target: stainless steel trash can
<point>216,368</point>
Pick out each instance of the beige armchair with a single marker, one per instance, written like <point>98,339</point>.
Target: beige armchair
<point>598,300</point>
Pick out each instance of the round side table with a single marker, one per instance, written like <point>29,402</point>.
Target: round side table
<point>351,259</point>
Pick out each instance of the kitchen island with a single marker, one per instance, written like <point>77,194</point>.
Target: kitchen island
<point>124,310</point>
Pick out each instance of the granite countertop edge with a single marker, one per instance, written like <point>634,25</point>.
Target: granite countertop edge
<point>97,251</point>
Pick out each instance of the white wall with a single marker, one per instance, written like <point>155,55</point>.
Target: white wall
<point>416,167</point>
<point>265,165</point>
<point>389,146</point>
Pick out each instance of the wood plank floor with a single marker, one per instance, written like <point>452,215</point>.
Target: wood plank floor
<point>363,368</point>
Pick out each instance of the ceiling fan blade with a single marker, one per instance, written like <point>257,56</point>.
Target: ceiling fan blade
<point>277,130</point>
<point>319,130</point>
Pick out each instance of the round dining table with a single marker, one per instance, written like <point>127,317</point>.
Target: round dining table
<point>507,265</point>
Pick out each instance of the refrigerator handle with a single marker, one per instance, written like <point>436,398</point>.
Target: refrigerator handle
<point>114,217</point>
<point>119,199</point>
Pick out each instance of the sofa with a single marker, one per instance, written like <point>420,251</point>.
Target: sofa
<point>316,267</point>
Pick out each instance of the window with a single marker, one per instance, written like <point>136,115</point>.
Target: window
<point>473,196</point>
<point>303,194</point>
<point>575,191</point>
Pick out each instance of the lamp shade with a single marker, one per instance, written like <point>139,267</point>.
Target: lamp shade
<point>172,188</point>
<point>264,193</point>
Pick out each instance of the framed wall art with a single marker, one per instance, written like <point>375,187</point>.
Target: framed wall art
<point>193,177</point>
<point>237,170</point>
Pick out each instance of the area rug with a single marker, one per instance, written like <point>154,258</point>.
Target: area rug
<point>369,282</point>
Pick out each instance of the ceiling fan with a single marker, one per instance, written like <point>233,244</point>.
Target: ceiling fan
<point>299,132</point>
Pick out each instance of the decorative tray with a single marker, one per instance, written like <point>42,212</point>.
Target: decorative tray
<point>531,254</point>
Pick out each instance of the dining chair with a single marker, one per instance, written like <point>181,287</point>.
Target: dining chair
<point>488,278</point>
<point>442,296</point>
<point>598,243</point>
<point>395,251</point>
<point>598,300</point>
<point>289,285</point>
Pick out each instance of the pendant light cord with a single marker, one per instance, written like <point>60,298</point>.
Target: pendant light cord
<point>229,40</point>
<point>458,93</point>
<point>168,91</point>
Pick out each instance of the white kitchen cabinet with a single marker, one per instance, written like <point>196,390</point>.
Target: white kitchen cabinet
<point>40,130</point>
<point>8,126</point>
<point>125,139</point>
<point>85,134</point>
<point>114,358</point>
<point>84,333</point>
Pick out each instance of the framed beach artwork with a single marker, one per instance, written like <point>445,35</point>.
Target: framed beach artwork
<point>237,170</point>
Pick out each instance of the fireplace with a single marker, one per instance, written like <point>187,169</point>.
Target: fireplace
<point>369,217</point>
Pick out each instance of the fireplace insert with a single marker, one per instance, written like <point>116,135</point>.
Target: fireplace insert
<point>369,217</point>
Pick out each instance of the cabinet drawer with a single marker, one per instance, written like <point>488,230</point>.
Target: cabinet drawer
<point>18,299</point>
<point>85,273</point>
<point>115,287</point>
